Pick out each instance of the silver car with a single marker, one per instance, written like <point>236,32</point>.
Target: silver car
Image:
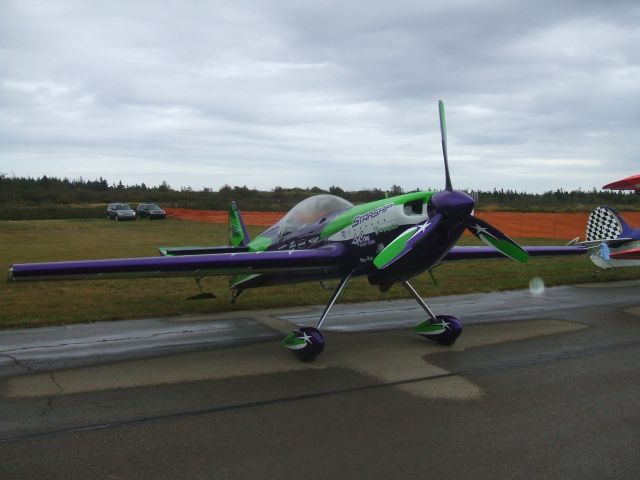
<point>120,211</point>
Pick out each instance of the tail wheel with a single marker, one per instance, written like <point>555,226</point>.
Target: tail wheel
<point>445,329</point>
<point>306,342</point>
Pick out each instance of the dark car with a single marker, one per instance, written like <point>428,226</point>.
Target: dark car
<point>150,211</point>
<point>120,211</point>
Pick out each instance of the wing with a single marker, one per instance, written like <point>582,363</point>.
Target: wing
<point>629,183</point>
<point>631,254</point>
<point>324,259</point>
<point>482,253</point>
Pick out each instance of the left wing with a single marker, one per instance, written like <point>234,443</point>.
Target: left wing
<point>481,253</point>
<point>324,259</point>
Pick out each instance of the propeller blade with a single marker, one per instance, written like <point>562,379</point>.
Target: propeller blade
<point>405,242</point>
<point>493,237</point>
<point>443,136</point>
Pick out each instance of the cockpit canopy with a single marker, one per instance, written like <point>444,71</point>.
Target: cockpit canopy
<point>310,211</point>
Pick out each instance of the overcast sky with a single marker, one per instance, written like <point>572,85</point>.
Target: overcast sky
<point>540,94</point>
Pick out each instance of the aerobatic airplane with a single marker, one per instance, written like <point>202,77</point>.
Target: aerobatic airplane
<point>326,237</point>
<point>611,241</point>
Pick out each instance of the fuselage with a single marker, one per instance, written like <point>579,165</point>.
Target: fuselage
<point>364,230</point>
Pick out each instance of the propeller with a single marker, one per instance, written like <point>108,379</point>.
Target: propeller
<point>448,208</point>
<point>403,243</point>
<point>443,137</point>
<point>495,238</point>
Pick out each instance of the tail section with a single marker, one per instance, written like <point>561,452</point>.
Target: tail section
<point>238,233</point>
<point>608,237</point>
<point>606,224</point>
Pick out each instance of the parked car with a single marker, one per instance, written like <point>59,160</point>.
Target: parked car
<point>120,211</point>
<point>150,211</point>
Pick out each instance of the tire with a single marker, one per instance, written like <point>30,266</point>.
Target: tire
<point>445,329</point>
<point>312,347</point>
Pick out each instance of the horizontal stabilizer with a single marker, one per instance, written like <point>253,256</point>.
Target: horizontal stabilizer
<point>195,250</point>
<point>608,241</point>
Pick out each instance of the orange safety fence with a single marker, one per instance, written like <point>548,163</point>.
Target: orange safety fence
<point>564,226</point>
<point>264,219</point>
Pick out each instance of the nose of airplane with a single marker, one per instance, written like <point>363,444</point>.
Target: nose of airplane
<point>455,206</point>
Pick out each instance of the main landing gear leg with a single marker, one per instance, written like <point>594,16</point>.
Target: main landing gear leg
<point>308,342</point>
<point>202,295</point>
<point>444,329</point>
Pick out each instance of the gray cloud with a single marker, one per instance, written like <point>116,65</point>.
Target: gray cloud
<point>539,95</point>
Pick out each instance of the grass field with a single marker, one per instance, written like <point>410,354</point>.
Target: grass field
<point>56,303</point>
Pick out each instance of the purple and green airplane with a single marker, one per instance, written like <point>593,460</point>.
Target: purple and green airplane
<point>327,238</point>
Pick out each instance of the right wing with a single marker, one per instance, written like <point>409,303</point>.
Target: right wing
<point>483,253</point>
<point>332,257</point>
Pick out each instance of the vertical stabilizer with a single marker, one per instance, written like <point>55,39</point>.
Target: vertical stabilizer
<point>606,224</point>
<point>238,233</point>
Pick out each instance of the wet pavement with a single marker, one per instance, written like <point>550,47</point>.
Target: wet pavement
<point>537,387</point>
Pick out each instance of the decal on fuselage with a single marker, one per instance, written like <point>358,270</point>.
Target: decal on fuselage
<point>363,240</point>
<point>386,228</point>
<point>300,243</point>
<point>383,219</point>
<point>358,219</point>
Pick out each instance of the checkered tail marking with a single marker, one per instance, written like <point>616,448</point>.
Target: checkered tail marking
<point>603,224</point>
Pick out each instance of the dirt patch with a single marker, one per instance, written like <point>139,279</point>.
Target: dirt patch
<point>564,226</point>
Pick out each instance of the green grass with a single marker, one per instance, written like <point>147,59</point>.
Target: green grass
<point>55,303</point>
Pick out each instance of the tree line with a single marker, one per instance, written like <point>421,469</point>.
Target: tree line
<point>51,197</point>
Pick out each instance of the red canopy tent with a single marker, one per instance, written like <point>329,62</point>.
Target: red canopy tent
<point>629,183</point>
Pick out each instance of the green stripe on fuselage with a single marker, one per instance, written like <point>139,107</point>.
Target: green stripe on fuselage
<point>259,244</point>
<point>345,219</point>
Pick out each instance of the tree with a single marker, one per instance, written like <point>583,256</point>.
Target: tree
<point>396,190</point>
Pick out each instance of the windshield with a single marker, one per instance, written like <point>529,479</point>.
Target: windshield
<point>311,210</point>
<point>123,206</point>
<point>153,207</point>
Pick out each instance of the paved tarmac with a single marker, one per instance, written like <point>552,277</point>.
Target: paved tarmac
<point>541,386</point>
